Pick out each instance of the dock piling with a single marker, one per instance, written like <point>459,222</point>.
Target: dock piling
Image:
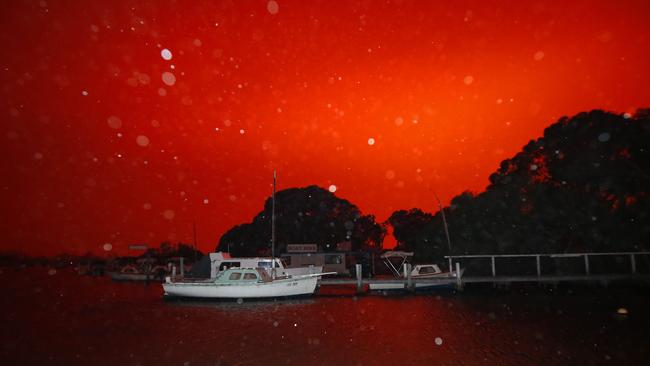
<point>182,267</point>
<point>409,279</point>
<point>459,280</point>
<point>494,267</point>
<point>359,278</point>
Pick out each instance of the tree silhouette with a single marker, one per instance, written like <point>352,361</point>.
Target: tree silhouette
<point>581,187</point>
<point>305,215</point>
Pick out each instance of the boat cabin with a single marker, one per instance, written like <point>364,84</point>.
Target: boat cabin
<point>243,275</point>
<point>395,261</point>
<point>423,270</point>
<point>220,262</point>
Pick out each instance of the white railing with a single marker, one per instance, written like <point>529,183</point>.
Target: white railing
<point>632,256</point>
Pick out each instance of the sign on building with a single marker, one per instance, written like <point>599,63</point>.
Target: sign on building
<point>302,248</point>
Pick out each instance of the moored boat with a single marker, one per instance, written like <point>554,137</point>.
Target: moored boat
<point>144,269</point>
<point>243,283</point>
<point>419,271</point>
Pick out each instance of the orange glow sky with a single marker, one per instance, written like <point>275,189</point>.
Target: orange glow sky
<point>447,91</point>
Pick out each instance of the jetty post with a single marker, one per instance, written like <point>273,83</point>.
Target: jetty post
<point>459,280</point>
<point>407,274</point>
<point>182,267</point>
<point>494,267</point>
<point>173,272</point>
<point>358,268</point>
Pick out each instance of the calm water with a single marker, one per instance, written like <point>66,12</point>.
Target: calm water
<point>65,319</point>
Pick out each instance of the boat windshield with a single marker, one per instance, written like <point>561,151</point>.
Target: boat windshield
<point>264,276</point>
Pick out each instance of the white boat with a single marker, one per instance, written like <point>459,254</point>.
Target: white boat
<point>130,275</point>
<point>243,283</point>
<point>221,261</point>
<point>396,260</point>
<point>231,279</point>
<point>145,269</point>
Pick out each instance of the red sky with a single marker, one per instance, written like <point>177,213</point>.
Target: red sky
<point>106,141</point>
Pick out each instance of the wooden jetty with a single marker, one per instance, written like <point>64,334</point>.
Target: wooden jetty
<point>541,275</point>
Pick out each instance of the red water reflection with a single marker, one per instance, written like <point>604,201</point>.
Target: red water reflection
<point>65,319</point>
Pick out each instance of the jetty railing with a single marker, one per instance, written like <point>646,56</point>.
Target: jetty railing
<point>538,257</point>
<point>458,277</point>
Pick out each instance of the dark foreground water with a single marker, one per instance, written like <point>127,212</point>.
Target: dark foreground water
<point>62,318</point>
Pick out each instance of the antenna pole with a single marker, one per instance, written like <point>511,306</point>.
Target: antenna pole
<point>444,221</point>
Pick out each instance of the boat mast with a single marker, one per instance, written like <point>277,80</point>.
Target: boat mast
<point>444,221</point>
<point>194,231</point>
<point>273,227</point>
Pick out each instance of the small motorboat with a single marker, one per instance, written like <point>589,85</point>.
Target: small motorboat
<point>144,269</point>
<point>396,260</point>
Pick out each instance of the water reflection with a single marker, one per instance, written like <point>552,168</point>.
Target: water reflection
<point>64,318</point>
<point>247,305</point>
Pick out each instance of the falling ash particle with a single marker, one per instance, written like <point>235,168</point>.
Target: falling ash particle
<point>114,122</point>
<point>169,214</point>
<point>166,54</point>
<point>168,78</point>
<point>142,141</point>
<point>604,137</point>
<point>273,7</point>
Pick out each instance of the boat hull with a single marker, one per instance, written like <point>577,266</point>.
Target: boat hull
<point>276,288</point>
<point>423,286</point>
<point>399,286</point>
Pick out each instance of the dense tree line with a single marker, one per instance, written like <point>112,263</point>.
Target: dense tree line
<point>304,215</point>
<point>167,250</point>
<point>583,186</point>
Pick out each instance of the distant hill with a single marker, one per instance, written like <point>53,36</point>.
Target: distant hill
<point>583,186</point>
